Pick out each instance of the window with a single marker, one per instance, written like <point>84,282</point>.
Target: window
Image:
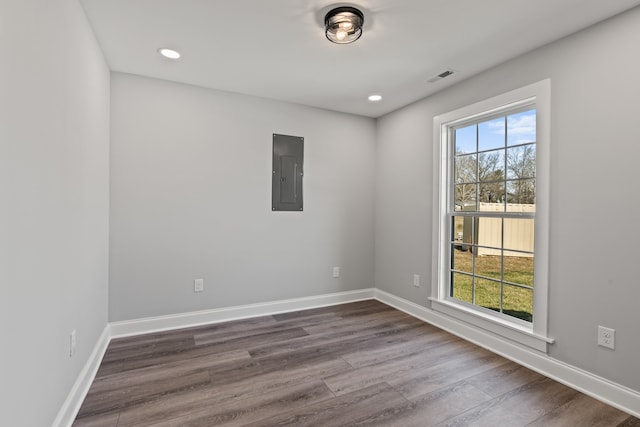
<point>492,196</point>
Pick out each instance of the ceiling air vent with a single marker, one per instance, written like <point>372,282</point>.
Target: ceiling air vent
<point>440,76</point>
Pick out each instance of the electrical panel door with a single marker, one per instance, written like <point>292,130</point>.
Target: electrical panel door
<point>286,185</point>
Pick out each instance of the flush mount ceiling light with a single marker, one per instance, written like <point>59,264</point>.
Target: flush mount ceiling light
<point>169,53</point>
<point>375,98</point>
<point>343,24</point>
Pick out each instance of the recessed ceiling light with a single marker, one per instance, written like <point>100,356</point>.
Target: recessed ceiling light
<point>169,53</point>
<point>375,98</point>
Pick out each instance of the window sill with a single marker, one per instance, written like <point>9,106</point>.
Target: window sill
<point>514,332</point>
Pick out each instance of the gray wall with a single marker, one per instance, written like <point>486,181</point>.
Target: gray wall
<point>54,192</point>
<point>191,198</point>
<point>594,205</point>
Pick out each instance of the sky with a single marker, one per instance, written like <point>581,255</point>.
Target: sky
<point>521,128</point>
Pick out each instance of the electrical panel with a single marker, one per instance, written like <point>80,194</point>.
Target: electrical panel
<point>286,184</point>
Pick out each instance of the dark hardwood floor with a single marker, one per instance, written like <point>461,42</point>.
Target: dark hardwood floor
<point>349,365</point>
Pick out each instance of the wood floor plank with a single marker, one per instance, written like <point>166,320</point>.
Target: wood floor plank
<point>180,404</point>
<point>460,366</point>
<point>416,340</point>
<point>355,364</point>
<point>362,307</point>
<point>110,368</point>
<point>341,345</point>
<point>118,398</point>
<point>100,420</point>
<point>332,340</point>
<point>358,378</point>
<point>345,410</point>
<point>357,323</point>
<point>235,325</point>
<point>352,336</point>
<point>165,371</point>
<point>253,368</point>
<point>519,407</point>
<point>128,388</point>
<point>504,378</point>
<point>431,408</point>
<point>254,409</point>
<point>216,352</point>
<point>630,422</point>
<point>266,336</point>
<point>350,309</point>
<point>213,337</point>
<point>148,349</point>
<point>582,411</point>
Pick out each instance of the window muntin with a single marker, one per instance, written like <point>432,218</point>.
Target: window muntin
<point>492,212</point>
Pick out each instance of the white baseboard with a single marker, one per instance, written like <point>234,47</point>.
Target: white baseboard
<point>196,318</point>
<point>613,394</point>
<point>71,406</point>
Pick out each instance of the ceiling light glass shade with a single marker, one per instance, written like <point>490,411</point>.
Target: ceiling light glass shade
<point>343,24</point>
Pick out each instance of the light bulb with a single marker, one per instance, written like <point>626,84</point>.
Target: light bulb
<point>347,26</point>
<point>341,34</point>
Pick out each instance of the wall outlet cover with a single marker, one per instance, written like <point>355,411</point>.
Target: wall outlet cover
<point>607,337</point>
<point>416,280</point>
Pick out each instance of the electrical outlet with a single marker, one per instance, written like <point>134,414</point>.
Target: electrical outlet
<point>72,343</point>
<point>607,337</point>
<point>416,280</point>
<point>198,285</point>
<point>336,272</point>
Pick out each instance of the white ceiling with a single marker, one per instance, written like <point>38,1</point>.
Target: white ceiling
<point>277,48</point>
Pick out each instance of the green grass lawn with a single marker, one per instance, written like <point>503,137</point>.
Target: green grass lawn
<point>517,302</point>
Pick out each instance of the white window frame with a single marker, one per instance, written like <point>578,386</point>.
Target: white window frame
<point>532,334</point>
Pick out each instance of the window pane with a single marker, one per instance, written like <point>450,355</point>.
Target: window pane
<point>489,234</point>
<point>487,294</point>
<point>488,265</point>
<point>519,234</point>
<point>461,231</point>
<point>465,169</point>
<point>517,302</point>
<point>461,287</point>
<point>491,197</point>
<point>466,140</point>
<point>521,162</point>
<point>457,228</point>
<point>491,166</point>
<point>518,268</point>
<point>461,259</point>
<point>521,127</point>
<point>521,195</point>
<point>491,134</point>
<point>465,198</point>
